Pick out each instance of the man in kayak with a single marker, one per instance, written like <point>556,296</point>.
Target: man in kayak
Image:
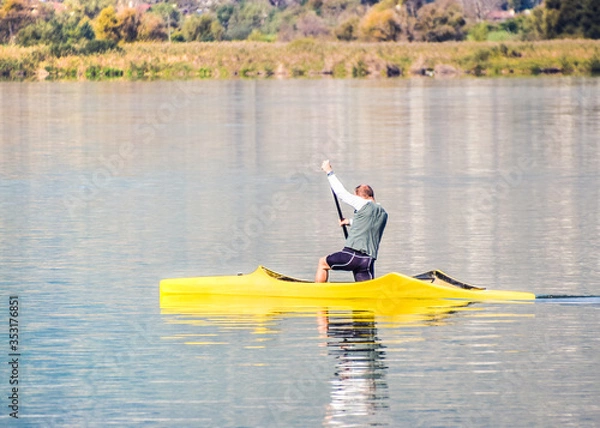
<point>360,250</point>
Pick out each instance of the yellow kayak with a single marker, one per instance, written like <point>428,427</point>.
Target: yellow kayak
<point>264,282</point>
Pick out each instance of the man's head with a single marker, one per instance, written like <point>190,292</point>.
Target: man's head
<point>364,191</point>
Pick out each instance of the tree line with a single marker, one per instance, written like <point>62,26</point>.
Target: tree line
<point>89,26</point>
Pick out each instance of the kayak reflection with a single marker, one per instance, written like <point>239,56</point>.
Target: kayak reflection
<point>351,331</point>
<point>394,311</point>
<point>359,387</point>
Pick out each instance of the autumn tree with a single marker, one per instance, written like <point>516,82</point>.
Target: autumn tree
<point>408,17</point>
<point>152,27</point>
<point>348,30</point>
<point>441,21</point>
<point>122,26</point>
<point>128,21</point>
<point>14,15</point>
<point>107,25</point>
<point>381,24</point>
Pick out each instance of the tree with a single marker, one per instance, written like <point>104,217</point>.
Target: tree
<point>521,5</point>
<point>128,24</point>
<point>569,16</point>
<point>89,8</point>
<point>202,28</point>
<point>246,16</point>
<point>224,14</point>
<point>543,22</point>
<point>381,25</point>
<point>311,25</point>
<point>442,21</point>
<point>590,20</point>
<point>217,30</point>
<point>107,25</point>
<point>333,10</point>
<point>14,15</point>
<point>479,9</point>
<point>412,6</point>
<point>348,30</point>
<point>152,27</point>
<point>62,29</point>
<point>170,15</point>
<point>479,32</point>
<point>556,18</point>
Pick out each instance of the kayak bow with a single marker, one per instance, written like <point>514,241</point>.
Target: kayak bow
<point>264,282</point>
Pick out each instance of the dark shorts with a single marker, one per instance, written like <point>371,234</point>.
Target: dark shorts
<point>361,265</point>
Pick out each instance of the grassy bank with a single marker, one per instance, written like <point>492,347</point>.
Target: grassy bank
<point>305,58</point>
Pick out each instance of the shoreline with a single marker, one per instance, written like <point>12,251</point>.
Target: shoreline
<point>305,58</point>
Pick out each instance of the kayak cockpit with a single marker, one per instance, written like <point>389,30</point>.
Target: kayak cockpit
<point>433,277</point>
<point>440,278</point>
<point>280,276</point>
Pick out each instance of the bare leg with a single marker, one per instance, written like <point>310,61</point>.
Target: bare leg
<point>322,271</point>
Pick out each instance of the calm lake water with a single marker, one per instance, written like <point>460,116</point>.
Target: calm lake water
<point>106,188</point>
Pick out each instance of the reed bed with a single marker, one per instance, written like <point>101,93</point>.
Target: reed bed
<point>305,58</point>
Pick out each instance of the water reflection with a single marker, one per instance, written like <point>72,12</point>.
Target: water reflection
<point>354,366</point>
<point>359,387</point>
<point>495,181</point>
<point>263,311</point>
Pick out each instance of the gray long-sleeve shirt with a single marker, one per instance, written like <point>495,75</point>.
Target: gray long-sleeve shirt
<point>368,223</point>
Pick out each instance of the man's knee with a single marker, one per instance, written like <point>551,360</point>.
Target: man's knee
<point>323,263</point>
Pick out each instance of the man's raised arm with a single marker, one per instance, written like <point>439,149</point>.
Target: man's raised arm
<point>354,201</point>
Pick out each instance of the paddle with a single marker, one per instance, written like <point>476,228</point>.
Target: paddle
<point>339,210</point>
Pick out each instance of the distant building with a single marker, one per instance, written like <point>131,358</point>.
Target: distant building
<point>500,15</point>
<point>143,7</point>
<point>58,6</point>
<point>139,6</point>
